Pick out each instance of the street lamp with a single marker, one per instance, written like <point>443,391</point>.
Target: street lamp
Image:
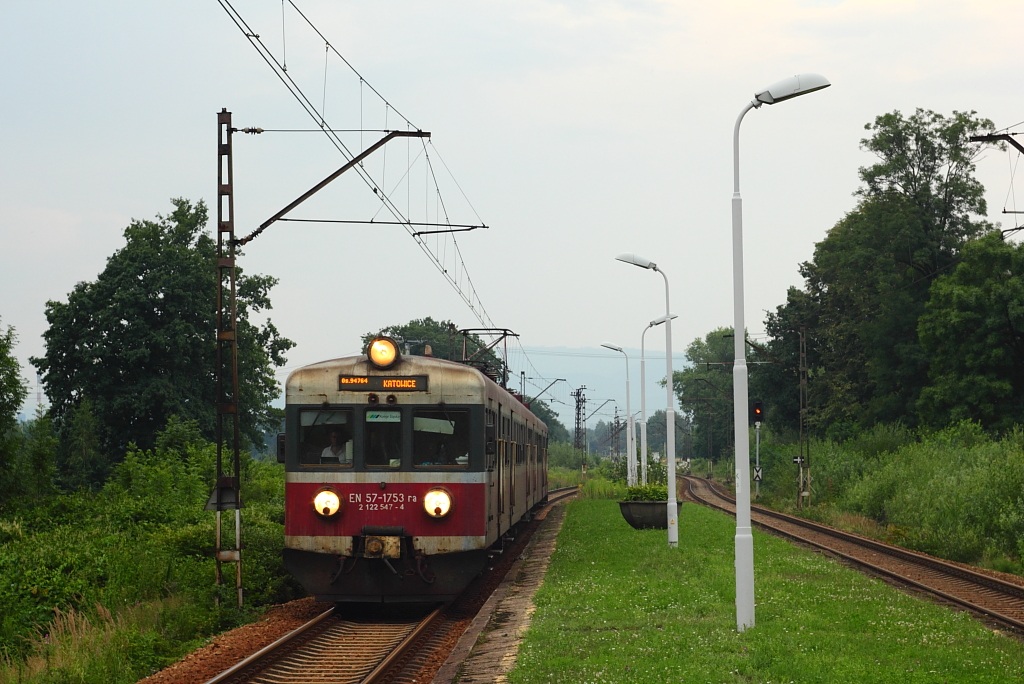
<point>630,439</point>
<point>670,416</point>
<point>643,399</point>
<point>795,86</point>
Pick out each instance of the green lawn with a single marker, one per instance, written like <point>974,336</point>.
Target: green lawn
<point>619,606</point>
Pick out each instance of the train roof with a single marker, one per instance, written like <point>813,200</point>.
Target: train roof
<point>449,381</point>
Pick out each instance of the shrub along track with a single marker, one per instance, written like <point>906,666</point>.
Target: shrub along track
<point>998,597</point>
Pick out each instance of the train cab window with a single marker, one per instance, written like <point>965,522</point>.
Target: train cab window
<point>325,437</point>
<point>440,437</point>
<point>383,435</point>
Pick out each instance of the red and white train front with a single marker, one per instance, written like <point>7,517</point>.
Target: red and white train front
<point>401,473</point>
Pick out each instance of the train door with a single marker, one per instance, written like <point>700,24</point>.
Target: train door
<point>491,441</point>
<point>506,471</point>
<point>514,468</point>
<point>530,466</point>
<point>502,450</point>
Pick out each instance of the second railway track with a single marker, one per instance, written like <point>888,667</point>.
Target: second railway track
<point>1000,600</point>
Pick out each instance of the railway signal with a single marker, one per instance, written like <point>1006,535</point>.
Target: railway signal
<point>757,412</point>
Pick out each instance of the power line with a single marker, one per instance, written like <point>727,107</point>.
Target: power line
<point>453,271</point>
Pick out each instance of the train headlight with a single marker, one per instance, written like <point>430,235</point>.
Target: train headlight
<point>382,352</point>
<point>437,503</point>
<point>327,503</point>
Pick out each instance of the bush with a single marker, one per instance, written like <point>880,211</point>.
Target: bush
<point>144,540</point>
<point>649,492</point>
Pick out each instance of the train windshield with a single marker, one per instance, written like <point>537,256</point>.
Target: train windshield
<point>440,437</point>
<point>325,437</point>
<point>383,435</point>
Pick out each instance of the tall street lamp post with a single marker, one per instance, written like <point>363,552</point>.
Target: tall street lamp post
<point>630,439</point>
<point>789,88</point>
<point>670,415</point>
<point>643,400</point>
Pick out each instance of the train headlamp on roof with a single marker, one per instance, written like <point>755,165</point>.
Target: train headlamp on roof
<point>383,352</point>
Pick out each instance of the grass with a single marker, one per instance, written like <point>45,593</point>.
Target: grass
<point>103,647</point>
<point>618,605</point>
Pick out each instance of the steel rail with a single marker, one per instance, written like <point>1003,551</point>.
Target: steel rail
<point>971,579</point>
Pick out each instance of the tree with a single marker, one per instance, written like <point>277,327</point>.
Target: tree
<point>778,383</point>
<point>139,343</point>
<point>445,342</point>
<point>870,277</point>
<point>12,387</point>
<point>12,395</point>
<point>973,332</point>
<point>557,432</point>
<point>704,391</point>
<point>657,431</point>
<point>39,444</point>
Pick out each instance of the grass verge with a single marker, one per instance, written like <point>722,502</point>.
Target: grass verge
<point>618,605</point>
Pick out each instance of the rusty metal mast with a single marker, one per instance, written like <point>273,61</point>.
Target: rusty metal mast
<point>580,436</point>
<point>227,493</point>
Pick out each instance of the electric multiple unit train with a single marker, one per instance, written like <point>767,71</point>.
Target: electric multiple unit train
<point>402,473</point>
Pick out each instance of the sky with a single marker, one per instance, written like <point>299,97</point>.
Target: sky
<point>574,131</point>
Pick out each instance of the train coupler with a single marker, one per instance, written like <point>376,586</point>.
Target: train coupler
<point>380,546</point>
<point>423,570</point>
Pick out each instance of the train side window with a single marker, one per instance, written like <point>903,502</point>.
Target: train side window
<point>383,435</point>
<point>440,437</point>
<point>325,437</point>
<point>490,438</point>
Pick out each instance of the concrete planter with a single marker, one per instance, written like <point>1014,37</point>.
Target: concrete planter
<point>647,515</point>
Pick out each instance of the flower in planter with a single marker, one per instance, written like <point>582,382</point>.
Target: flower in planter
<point>649,492</point>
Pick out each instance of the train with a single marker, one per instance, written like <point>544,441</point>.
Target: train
<point>403,473</point>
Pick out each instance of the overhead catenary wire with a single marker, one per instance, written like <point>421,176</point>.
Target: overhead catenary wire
<point>436,249</point>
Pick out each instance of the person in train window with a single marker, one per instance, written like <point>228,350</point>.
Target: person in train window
<point>335,451</point>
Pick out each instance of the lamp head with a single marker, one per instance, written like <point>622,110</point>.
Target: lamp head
<point>795,86</point>
<point>637,260</point>
<point>659,321</point>
<point>612,347</point>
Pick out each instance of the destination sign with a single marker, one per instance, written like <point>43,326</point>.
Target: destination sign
<point>383,383</point>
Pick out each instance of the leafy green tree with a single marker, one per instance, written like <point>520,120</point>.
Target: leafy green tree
<point>686,446</point>
<point>704,391</point>
<point>870,277</point>
<point>139,342</point>
<point>81,460</point>
<point>973,332</point>
<point>12,387</point>
<point>777,383</point>
<point>563,455</point>
<point>442,337</point>
<point>557,432</point>
<point>445,342</point>
<point>12,395</point>
<point>38,446</point>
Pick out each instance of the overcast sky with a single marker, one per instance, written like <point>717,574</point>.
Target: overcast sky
<point>574,130</point>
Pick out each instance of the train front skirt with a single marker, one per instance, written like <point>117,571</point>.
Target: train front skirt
<point>382,579</point>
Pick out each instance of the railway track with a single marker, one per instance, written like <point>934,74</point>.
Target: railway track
<point>343,645</point>
<point>334,647</point>
<point>1001,601</point>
